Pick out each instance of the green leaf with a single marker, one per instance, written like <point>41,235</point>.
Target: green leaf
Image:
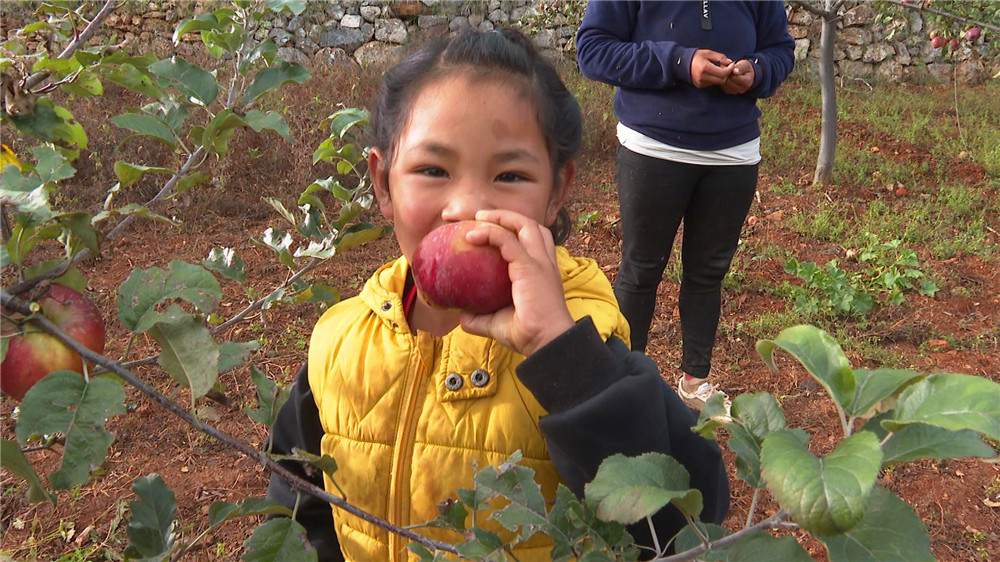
<point>191,180</point>
<point>64,402</point>
<point>629,489</point>
<point>875,386</point>
<point>271,121</point>
<point>86,83</point>
<point>342,121</point>
<point>54,124</point>
<point>820,354</point>
<point>480,544</point>
<point>294,6</point>
<point>951,401</point>
<point>129,76</point>
<point>919,441</point>
<point>279,540</point>
<point>825,496</point>
<point>130,173</point>
<point>72,278</point>
<point>517,484</point>
<point>151,529</point>
<point>359,234</point>
<point>756,415</point>
<point>226,263</point>
<point>762,546</point>
<point>13,459</point>
<point>270,78</point>
<point>188,353</point>
<point>889,530</point>
<point>270,398</point>
<point>52,166</point>
<point>277,205</point>
<point>189,79</point>
<point>219,131</point>
<point>146,125</point>
<point>326,463</point>
<point>234,354</point>
<point>144,289</point>
<point>220,512</point>
<point>317,292</point>
<point>203,22</point>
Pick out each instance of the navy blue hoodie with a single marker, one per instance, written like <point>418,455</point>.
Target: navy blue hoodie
<point>645,49</point>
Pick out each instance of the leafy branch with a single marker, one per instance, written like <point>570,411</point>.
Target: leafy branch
<point>14,303</point>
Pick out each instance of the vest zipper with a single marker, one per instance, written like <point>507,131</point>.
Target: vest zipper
<point>411,405</point>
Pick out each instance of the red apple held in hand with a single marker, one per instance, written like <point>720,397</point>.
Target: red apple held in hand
<point>452,273</point>
<point>937,42</point>
<point>973,33</point>
<point>34,353</point>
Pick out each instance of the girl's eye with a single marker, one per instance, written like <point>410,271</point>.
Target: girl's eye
<point>510,177</point>
<point>433,172</point>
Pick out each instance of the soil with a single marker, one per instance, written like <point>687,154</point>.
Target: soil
<point>956,499</point>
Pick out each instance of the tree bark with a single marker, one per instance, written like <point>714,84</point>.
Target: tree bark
<point>828,89</point>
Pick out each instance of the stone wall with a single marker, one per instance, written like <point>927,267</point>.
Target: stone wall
<point>371,32</point>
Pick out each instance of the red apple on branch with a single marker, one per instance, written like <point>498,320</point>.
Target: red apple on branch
<point>34,353</point>
<point>452,273</point>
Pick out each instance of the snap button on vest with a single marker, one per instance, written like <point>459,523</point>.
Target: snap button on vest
<point>386,306</point>
<point>480,378</point>
<point>453,381</point>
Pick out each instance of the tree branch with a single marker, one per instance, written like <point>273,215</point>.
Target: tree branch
<point>71,47</point>
<point>814,10</point>
<point>777,520</point>
<point>922,7</point>
<point>14,303</point>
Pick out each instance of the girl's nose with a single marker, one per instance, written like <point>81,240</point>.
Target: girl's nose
<point>464,200</point>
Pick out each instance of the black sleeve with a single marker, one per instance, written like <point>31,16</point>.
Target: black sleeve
<point>298,425</point>
<point>603,400</point>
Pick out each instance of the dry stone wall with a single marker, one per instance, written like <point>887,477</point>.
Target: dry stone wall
<point>369,32</point>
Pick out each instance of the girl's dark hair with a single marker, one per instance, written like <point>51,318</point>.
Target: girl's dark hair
<point>497,55</point>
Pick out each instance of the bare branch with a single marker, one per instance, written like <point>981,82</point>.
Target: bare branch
<point>814,10</point>
<point>13,303</point>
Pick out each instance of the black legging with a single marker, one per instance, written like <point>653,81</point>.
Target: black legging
<point>654,196</point>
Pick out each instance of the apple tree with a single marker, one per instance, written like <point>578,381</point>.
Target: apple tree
<point>946,18</point>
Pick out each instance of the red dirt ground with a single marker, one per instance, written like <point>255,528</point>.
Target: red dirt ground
<point>953,497</point>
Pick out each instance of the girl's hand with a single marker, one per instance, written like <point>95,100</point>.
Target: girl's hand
<point>539,313</point>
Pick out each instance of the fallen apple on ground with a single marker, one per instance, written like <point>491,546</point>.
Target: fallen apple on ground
<point>452,273</point>
<point>973,33</point>
<point>937,42</point>
<point>33,353</point>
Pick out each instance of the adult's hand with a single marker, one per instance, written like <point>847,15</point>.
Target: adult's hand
<point>741,79</point>
<point>709,68</point>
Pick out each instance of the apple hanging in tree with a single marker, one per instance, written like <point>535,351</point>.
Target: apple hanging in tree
<point>34,353</point>
<point>452,273</point>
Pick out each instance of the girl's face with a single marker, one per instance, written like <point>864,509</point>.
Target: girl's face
<point>469,145</point>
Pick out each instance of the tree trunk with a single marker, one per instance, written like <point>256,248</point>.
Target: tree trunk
<point>828,88</point>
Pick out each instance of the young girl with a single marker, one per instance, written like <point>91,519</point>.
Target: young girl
<point>408,398</point>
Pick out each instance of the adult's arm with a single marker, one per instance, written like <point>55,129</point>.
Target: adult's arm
<point>774,57</point>
<point>298,425</point>
<point>603,400</point>
<point>606,54</point>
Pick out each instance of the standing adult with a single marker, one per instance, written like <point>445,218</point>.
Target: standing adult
<point>688,76</point>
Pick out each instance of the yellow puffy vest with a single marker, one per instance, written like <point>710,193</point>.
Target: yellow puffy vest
<point>410,417</point>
